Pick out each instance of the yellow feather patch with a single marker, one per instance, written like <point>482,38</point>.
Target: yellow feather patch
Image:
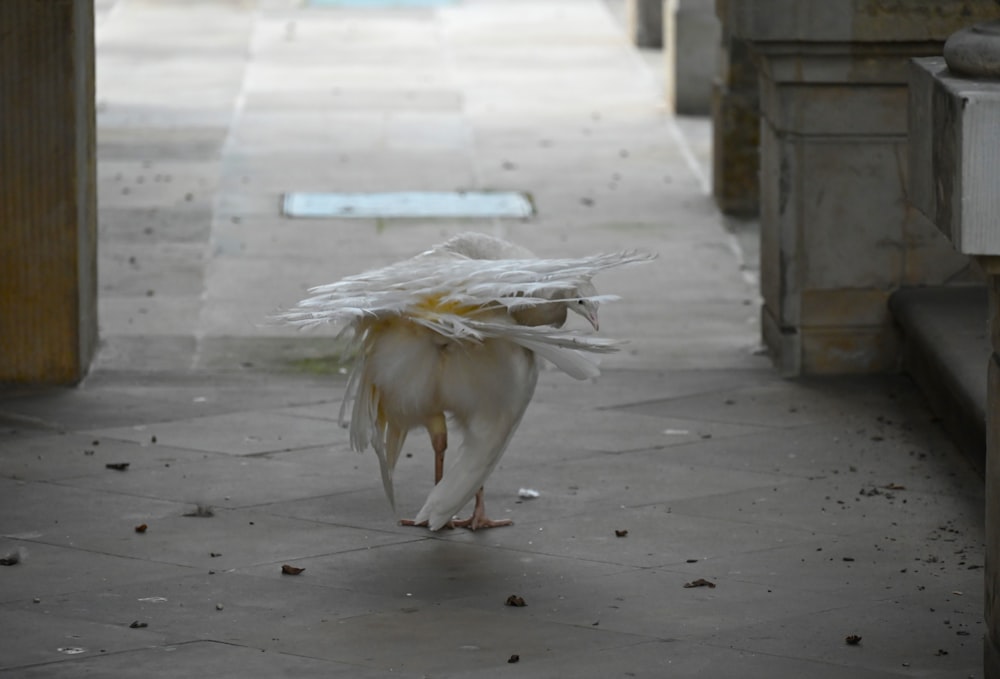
<point>433,305</point>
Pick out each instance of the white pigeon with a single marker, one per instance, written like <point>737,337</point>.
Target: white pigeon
<point>457,331</point>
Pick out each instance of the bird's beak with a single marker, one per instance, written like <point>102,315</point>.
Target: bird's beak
<point>592,317</point>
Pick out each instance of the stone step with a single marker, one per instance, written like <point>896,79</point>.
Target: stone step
<point>946,350</point>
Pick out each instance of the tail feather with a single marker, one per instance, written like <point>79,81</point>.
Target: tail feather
<point>369,426</point>
<point>485,439</point>
<point>387,452</point>
<point>471,467</point>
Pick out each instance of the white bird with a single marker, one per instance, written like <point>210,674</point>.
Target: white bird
<point>457,330</point>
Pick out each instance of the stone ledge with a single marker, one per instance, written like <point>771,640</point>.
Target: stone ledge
<point>946,348</point>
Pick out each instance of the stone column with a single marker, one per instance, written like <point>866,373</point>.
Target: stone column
<point>838,234</point>
<point>955,155</point>
<point>735,111</point>
<point>644,22</point>
<point>690,49</point>
<point>48,224</point>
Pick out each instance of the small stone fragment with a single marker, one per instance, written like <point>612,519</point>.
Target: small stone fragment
<point>514,658</point>
<point>218,607</point>
<point>11,559</point>
<point>138,625</point>
<point>141,528</point>
<point>700,582</point>
<point>117,466</point>
<point>852,639</point>
<point>291,570</point>
<point>620,533</point>
<point>515,600</point>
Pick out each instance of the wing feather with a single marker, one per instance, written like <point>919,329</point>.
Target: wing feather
<point>422,284</point>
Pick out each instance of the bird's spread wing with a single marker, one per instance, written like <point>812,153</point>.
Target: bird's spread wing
<point>452,286</point>
<point>457,296</point>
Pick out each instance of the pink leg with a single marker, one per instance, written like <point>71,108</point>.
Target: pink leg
<point>479,518</point>
<point>439,441</point>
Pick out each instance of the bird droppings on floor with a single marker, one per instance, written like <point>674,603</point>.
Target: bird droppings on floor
<point>515,600</point>
<point>11,558</point>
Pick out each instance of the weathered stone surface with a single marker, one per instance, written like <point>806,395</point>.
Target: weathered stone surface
<point>956,154</point>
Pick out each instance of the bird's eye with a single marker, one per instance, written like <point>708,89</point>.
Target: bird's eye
<point>579,301</point>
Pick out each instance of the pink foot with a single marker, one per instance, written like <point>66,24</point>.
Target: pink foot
<point>476,522</point>
<point>479,519</point>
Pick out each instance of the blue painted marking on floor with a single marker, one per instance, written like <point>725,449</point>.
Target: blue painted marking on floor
<point>408,204</point>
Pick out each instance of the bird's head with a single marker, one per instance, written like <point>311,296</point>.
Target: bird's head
<point>585,307</point>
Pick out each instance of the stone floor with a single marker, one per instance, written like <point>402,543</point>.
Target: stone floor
<point>808,511</point>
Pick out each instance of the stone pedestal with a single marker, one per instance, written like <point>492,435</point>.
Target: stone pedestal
<point>955,156</point>
<point>48,239</point>
<point>838,233</point>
